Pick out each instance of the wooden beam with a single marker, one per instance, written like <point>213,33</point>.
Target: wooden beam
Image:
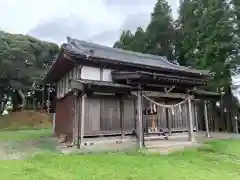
<point>75,119</point>
<point>169,90</point>
<point>83,104</point>
<point>140,119</point>
<point>76,85</point>
<point>135,114</point>
<point>122,116</point>
<point>169,123</point>
<point>165,95</point>
<point>196,115</point>
<point>206,119</point>
<point>190,121</point>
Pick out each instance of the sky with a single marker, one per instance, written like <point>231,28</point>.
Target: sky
<point>99,21</point>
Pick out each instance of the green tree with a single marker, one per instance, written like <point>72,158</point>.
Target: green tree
<point>160,32</point>
<point>207,38</point>
<point>236,11</point>
<point>134,42</point>
<point>208,41</point>
<point>125,41</point>
<point>186,32</point>
<point>23,60</point>
<point>139,41</point>
<point>159,37</point>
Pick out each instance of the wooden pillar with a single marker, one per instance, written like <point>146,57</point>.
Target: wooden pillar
<point>48,94</point>
<point>43,97</point>
<point>83,105</point>
<point>190,121</point>
<point>122,116</point>
<point>53,123</point>
<point>135,114</point>
<point>222,119</point>
<point>206,119</point>
<point>168,120</point>
<point>140,120</point>
<point>196,115</point>
<point>75,118</point>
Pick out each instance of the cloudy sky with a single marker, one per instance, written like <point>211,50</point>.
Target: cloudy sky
<point>99,21</point>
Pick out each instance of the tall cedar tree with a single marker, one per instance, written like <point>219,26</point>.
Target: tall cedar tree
<point>186,32</point>
<point>158,38</point>
<point>125,41</point>
<point>236,10</point>
<point>208,42</point>
<point>160,32</point>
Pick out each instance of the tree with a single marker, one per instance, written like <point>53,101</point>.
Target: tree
<point>186,32</point>
<point>159,37</point>
<point>236,11</point>
<point>139,41</point>
<point>23,60</point>
<point>208,41</point>
<point>160,32</point>
<point>134,42</point>
<point>207,38</point>
<point>125,41</point>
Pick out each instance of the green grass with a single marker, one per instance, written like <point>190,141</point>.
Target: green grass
<point>23,135</point>
<point>218,160</point>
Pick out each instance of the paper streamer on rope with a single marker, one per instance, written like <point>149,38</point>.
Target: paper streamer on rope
<point>164,105</point>
<point>154,108</point>
<point>151,108</point>
<point>163,109</point>
<point>180,108</point>
<point>172,110</point>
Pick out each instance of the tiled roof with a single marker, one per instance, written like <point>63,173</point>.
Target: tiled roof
<point>88,49</point>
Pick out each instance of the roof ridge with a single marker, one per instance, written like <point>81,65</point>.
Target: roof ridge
<point>155,57</point>
<point>138,54</point>
<point>87,48</point>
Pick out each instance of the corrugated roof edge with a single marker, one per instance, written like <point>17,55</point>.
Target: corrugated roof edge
<point>72,47</point>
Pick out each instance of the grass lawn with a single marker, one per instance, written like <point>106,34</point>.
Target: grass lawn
<point>218,160</point>
<point>24,135</point>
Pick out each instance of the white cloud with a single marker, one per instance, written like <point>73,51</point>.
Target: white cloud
<point>99,20</point>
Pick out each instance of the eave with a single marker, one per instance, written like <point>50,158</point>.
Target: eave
<point>145,78</point>
<point>62,65</point>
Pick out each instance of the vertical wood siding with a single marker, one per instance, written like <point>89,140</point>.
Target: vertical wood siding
<point>178,118</point>
<point>103,115</point>
<point>64,116</point>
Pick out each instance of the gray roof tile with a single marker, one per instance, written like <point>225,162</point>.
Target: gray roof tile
<point>99,51</point>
